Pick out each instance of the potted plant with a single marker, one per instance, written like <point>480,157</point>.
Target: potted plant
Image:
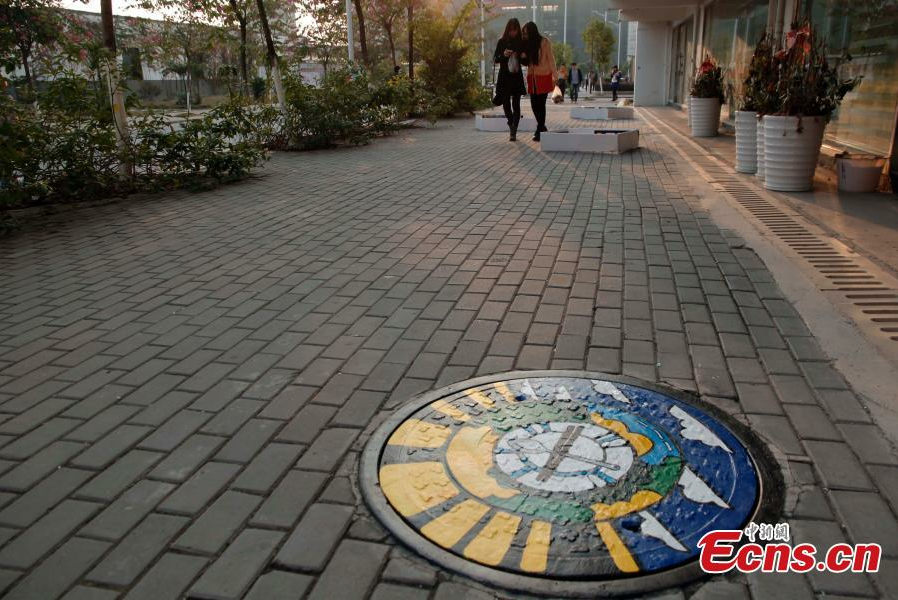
<point>705,99</point>
<point>753,102</point>
<point>808,89</point>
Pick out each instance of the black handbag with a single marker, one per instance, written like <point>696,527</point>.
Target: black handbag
<point>498,97</point>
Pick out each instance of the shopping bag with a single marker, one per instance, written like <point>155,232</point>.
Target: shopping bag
<point>557,96</point>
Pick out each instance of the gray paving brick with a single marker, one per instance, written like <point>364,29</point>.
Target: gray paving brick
<point>811,422</point>
<point>327,449</point>
<point>103,423</point>
<point>287,402</point>
<point>137,550</point>
<point>26,445</point>
<point>33,504</point>
<point>174,431</point>
<point>778,430</point>
<point>352,572</point>
<point>232,574</point>
<point>304,427</point>
<point>868,443</point>
<point>267,467</point>
<point>868,519</point>
<point>280,585</point>
<point>359,409</point>
<point>187,457</point>
<point>289,499</point>
<point>195,493</point>
<point>843,406</point>
<point>114,479</point>
<point>128,510</point>
<point>837,465</point>
<point>59,571</point>
<point>114,444</point>
<point>39,466</point>
<point>408,571</point>
<point>212,530</point>
<point>824,534</point>
<point>36,541</point>
<point>168,578</point>
<point>160,410</point>
<point>314,538</point>
<point>243,445</point>
<point>391,591</point>
<point>84,592</point>
<point>711,372</point>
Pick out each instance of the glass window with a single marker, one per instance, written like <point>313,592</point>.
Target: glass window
<point>732,29</point>
<point>868,30</point>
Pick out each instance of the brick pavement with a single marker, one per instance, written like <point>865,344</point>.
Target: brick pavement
<point>186,381</point>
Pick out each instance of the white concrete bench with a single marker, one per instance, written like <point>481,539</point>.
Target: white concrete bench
<point>589,140</point>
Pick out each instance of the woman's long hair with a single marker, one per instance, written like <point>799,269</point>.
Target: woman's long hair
<point>512,25</point>
<point>534,40</point>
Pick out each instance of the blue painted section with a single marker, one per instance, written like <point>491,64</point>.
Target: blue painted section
<point>730,475</point>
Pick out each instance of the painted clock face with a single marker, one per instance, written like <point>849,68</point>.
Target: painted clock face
<point>567,477</point>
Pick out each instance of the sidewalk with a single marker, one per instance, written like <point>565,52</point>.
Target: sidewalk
<point>866,222</point>
<point>186,381</point>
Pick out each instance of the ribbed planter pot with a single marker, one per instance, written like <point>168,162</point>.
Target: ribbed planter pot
<point>705,116</point>
<point>760,149</point>
<point>790,155</point>
<point>746,141</point>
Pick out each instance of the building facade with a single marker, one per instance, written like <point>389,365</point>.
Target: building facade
<point>673,37</point>
<point>551,20</point>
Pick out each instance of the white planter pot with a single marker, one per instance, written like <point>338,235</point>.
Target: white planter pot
<point>689,112</point>
<point>704,116</point>
<point>497,122</point>
<point>760,144</point>
<point>589,140</point>
<point>746,141</point>
<point>601,113</point>
<point>790,156</point>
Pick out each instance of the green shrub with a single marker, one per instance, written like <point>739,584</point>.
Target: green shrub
<point>344,108</point>
<point>67,149</point>
<point>449,70</point>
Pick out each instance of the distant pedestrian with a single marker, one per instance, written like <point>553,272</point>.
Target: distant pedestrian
<point>510,82</point>
<point>540,74</point>
<point>561,79</point>
<point>575,78</point>
<point>615,82</point>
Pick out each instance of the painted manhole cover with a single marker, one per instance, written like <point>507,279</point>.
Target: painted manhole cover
<point>537,480</point>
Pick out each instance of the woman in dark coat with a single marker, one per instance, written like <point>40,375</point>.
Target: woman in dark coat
<point>510,83</point>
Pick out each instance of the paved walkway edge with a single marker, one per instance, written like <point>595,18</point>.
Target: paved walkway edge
<point>860,362</point>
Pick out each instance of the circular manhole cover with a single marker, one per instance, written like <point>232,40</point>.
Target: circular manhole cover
<point>562,482</point>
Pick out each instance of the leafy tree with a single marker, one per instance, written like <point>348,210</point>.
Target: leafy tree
<point>388,15</point>
<point>449,67</point>
<point>25,24</point>
<point>272,55</point>
<point>325,34</point>
<point>564,53</point>
<point>598,39</point>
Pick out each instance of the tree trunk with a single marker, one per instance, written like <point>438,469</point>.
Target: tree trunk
<point>411,41</point>
<point>25,55</point>
<point>363,40</point>
<point>388,28</point>
<point>273,67</point>
<point>241,21</point>
<point>243,67</point>
<point>117,98</point>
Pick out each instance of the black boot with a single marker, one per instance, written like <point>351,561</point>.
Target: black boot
<point>535,137</point>
<point>512,134</point>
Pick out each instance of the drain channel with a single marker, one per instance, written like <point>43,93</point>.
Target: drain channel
<point>839,271</point>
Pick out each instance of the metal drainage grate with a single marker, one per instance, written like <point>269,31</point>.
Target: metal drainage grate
<point>840,272</point>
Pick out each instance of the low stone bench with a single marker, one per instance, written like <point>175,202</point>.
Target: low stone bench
<point>590,140</point>
<point>497,122</point>
<point>601,113</point>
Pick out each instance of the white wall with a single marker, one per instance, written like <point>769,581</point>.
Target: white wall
<point>652,63</point>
